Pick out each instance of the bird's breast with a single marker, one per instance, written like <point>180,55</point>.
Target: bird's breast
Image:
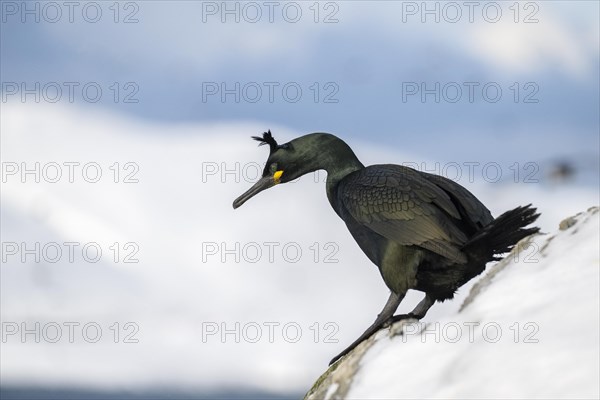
<point>397,263</point>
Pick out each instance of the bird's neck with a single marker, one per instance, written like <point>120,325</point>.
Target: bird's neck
<point>338,160</point>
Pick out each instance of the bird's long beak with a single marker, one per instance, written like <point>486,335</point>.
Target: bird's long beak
<point>264,183</point>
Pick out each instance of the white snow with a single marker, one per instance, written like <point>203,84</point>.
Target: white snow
<point>534,333</point>
<point>176,295</point>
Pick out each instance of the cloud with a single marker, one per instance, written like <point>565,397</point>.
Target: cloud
<point>533,48</point>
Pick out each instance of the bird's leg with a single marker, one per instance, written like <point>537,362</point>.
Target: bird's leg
<point>388,311</point>
<point>419,311</point>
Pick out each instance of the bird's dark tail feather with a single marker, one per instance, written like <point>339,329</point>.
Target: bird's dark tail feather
<point>502,234</point>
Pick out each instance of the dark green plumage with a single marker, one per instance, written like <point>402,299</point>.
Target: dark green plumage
<point>423,231</point>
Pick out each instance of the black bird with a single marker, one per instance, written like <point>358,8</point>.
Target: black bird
<point>423,231</point>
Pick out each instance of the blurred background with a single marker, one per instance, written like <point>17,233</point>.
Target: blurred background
<point>125,137</point>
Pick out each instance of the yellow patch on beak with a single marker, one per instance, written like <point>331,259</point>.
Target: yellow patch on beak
<point>277,176</point>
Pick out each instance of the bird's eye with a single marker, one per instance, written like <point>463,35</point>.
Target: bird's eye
<point>273,168</point>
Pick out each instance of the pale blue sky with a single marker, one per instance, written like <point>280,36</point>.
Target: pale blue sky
<point>180,56</point>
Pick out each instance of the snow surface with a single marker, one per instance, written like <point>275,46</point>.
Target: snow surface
<point>534,334</point>
<point>175,291</point>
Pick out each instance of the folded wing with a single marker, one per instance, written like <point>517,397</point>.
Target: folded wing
<point>413,208</point>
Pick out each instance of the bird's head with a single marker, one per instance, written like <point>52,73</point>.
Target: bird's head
<point>286,162</point>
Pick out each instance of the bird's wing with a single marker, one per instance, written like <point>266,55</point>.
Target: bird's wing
<point>404,206</point>
<point>473,209</point>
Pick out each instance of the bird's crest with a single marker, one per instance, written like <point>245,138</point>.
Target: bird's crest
<point>267,138</point>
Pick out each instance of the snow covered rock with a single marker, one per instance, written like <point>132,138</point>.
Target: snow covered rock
<point>528,329</point>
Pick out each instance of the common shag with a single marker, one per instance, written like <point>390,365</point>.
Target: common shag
<point>423,231</point>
